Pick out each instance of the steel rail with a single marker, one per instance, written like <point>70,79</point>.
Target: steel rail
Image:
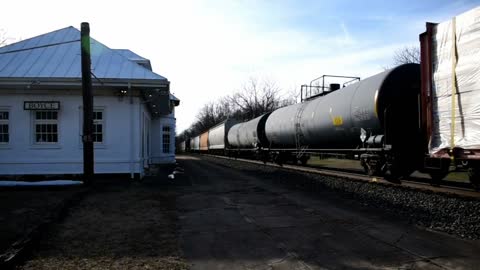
<point>404,183</point>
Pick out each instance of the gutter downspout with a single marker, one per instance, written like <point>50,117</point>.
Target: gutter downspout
<point>132,141</point>
<point>142,142</point>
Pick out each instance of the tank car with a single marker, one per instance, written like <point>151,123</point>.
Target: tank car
<point>248,138</point>
<point>248,135</point>
<point>376,118</point>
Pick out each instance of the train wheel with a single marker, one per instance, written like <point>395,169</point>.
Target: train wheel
<point>395,173</point>
<point>304,160</point>
<point>369,170</point>
<point>373,167</point>
<point>437,176</point>
<point>474,177</point>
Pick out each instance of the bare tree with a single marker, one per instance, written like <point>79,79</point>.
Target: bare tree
<point>407,55</point>
<point>256,98</point>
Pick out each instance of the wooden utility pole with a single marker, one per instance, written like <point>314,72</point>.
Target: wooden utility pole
<point>88,170</point>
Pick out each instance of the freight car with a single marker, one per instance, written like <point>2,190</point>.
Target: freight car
<point>217,136</point>
<point>203,142</point>
<point>450,95</point>
<point>195,144</point>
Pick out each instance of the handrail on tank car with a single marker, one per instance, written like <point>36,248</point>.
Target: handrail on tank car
<point>321,89</point>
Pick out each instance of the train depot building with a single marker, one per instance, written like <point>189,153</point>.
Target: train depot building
<point>41,108</point>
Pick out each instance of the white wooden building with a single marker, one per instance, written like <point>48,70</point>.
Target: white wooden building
<point>41,108</point>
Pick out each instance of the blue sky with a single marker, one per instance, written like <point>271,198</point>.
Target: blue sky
<point>210,48</point>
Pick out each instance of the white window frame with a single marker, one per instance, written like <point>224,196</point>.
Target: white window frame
<point>169,139</point>
<point>36,121</point>
<point>6,122</point>
<point>103,122</point>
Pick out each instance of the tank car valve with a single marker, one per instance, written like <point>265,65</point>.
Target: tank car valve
<point>363,135</point>
<point>375,141</point>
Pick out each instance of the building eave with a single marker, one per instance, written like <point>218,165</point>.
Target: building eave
<point>77,82</point>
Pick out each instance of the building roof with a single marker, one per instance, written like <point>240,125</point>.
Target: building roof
<point>135,58</point>
<point>55,56</point>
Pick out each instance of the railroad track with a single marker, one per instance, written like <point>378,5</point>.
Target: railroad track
<point>423,184</point>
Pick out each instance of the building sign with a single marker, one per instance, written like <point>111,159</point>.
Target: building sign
<point>41,105</point>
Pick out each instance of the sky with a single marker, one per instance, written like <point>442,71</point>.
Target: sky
<point>209,49</point>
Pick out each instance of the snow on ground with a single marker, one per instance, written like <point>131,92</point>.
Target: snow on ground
<point>40,183</point>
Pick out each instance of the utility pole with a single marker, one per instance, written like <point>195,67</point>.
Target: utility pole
<point>88,170</point>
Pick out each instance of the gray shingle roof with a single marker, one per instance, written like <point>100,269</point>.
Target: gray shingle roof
<point>56,55</point>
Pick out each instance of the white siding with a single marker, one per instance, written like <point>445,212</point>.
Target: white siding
<point>120,153</point>
<point>157,155</point>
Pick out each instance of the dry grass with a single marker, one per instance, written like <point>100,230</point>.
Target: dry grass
<point>23,209</point>
<point>132,226</point>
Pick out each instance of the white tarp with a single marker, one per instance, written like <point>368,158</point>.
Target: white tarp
<point>467,70</point>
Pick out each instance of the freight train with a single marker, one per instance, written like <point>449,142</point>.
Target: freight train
<point>412,117</point>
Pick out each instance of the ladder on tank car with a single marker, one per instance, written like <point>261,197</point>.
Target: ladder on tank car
<point>301,148</point>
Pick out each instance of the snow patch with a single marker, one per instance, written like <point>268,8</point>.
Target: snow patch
<point>40,183</point>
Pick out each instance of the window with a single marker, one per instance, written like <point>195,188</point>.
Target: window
<point>166,139</point>
<point>98,126</point>
<point>4,135</point>
<point>46,127</point>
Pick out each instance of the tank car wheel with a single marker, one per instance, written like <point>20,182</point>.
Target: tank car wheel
<point>474,177</point>
<point>369,170</point>
<point>373,167</point>
<point>395,173</point>
<point>437,176</point>
<point>294,160</point>
<point>374,170</point>
<point>277,158</point>
<point>304,160</point>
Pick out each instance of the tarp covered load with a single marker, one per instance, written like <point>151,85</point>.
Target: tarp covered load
<point>456,83</point>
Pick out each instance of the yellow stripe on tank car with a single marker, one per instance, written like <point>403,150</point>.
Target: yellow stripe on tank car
<point>375,103</point>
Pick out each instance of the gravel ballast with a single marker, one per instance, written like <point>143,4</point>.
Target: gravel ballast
<point>441,212</point>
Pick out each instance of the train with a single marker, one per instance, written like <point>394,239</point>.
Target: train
<point>413,117</point>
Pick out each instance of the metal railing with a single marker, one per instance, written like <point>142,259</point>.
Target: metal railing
<point>317,86</point>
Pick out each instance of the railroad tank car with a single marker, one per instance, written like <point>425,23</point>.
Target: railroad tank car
<point>204,141</point>
<point>248,135</point>
<point>217,136</point>
<point>379,113</point>
<point>195,144</point>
